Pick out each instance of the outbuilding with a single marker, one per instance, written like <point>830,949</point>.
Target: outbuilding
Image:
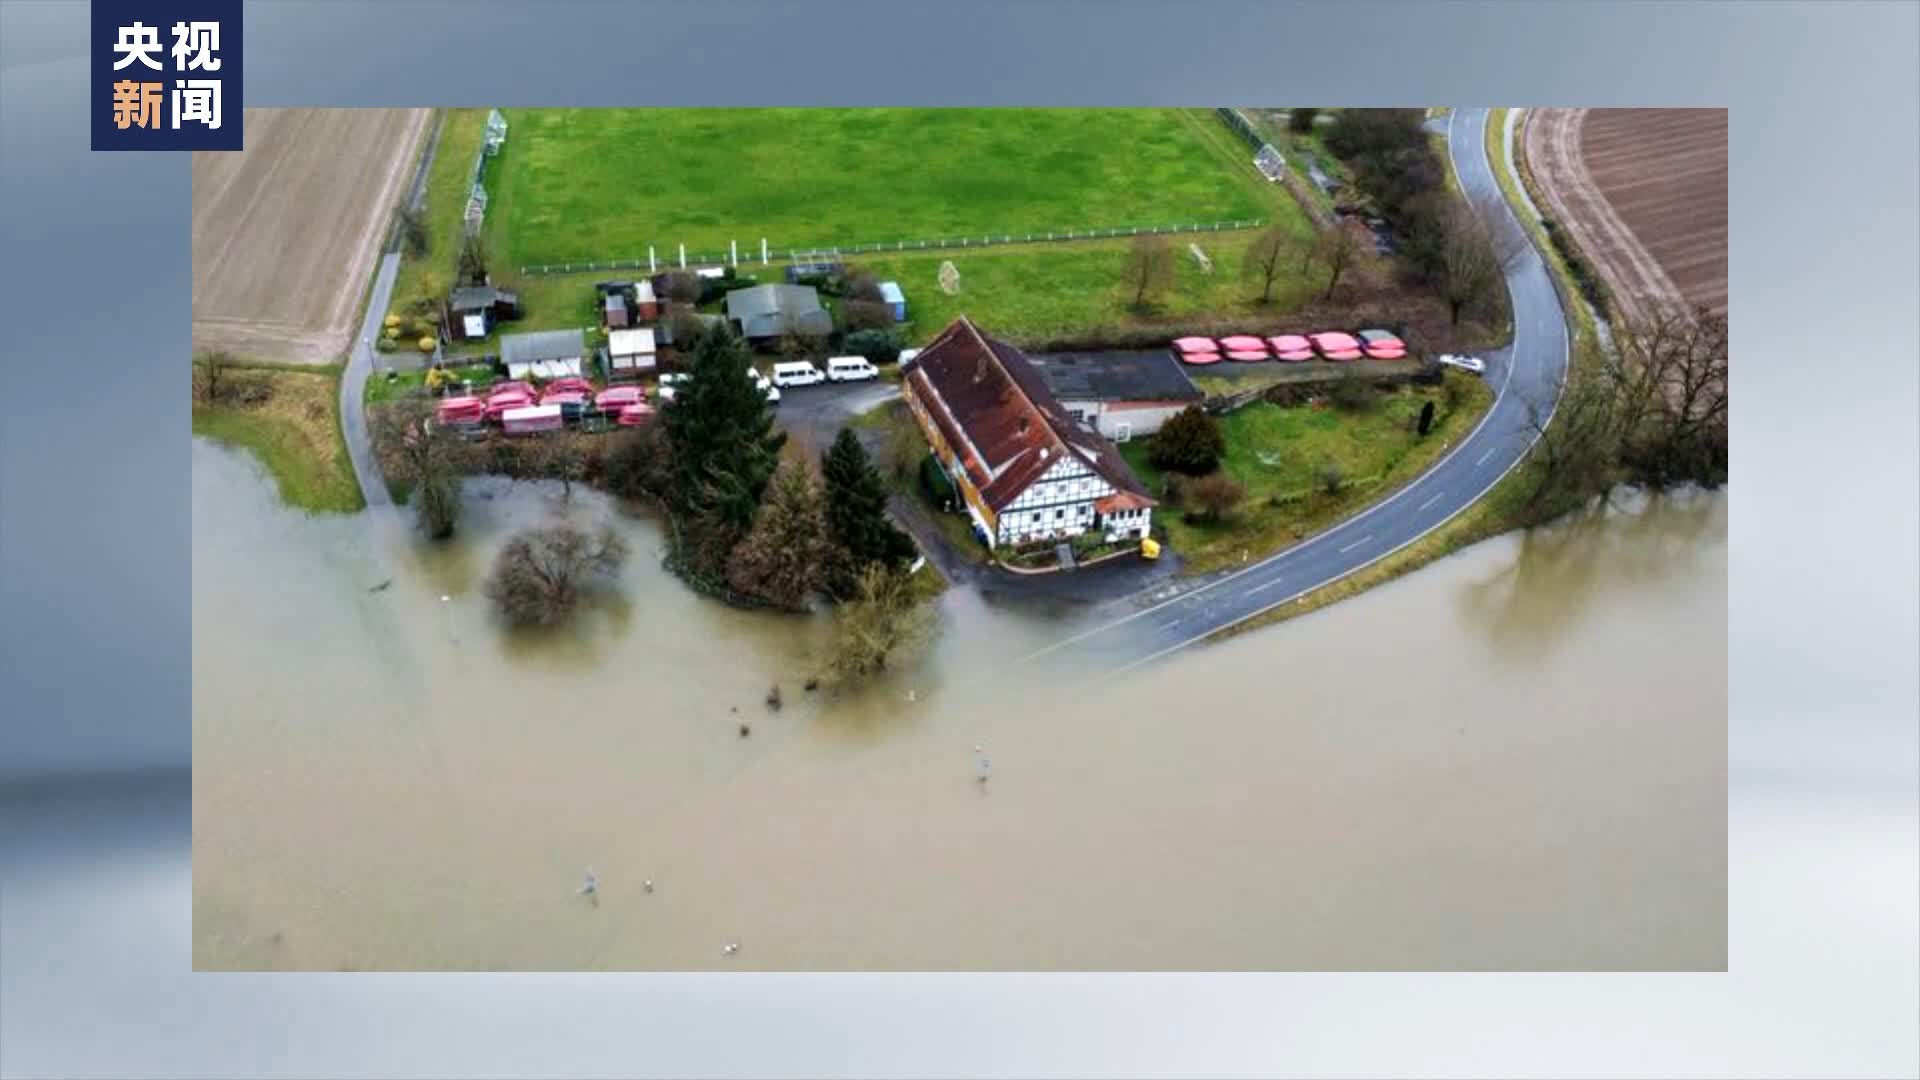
<point>547,354</point>
<point>765,312</point>
<point>630,354</point>
<point>474,310</point>
<point>1124,395</point>
<point>895,299</point>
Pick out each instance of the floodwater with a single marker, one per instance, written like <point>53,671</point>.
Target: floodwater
<point>1513,759</point>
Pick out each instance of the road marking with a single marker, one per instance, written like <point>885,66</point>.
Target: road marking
<point>1485,456</point>
<point>1356,543</point>
<point>1431,501</point>
<point>1265,585</point>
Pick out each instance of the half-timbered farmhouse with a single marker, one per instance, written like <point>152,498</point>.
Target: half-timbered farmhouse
<point>1026,469</point>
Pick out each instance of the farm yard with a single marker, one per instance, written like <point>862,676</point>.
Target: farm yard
<point>1644,191</point>
<point>581,184</point>
<point>284,232</point>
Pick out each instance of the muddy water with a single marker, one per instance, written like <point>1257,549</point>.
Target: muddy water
<point>1513,759</point>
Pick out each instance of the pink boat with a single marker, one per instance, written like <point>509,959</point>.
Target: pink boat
<point>524,389</point>
<point>1246,356</point>
<point>1294,356</point>
<point>615,398</point>
<point>1379,353</point>
<point>1200,358</point>
<point>634,415</point>
<point>563,396</point>
<point>1195,345</point>
<point>460,410</point>
<point>1286,343</point>
<point>1334,341</point>
<point>498,404</point>
<point>1243,343</point>
<point>570,384</point>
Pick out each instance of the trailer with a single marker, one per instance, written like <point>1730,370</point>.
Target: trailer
<point>532,420</point>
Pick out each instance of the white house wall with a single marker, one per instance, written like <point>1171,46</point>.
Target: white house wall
<point>1058,504</point>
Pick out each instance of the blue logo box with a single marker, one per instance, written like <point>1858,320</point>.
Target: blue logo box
<point>166,75</point>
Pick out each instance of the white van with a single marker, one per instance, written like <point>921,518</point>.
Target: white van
<point>850,369</point>
<point>796,373</point>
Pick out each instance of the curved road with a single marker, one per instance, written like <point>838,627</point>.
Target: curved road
<point>1526,375</point>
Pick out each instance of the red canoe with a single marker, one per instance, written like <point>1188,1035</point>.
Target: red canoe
<point>615,398</point>
<point>1200,358</point>
<point>1243,343</point>
<point>1246,356</point>
<point>1286,343</point>
<point>1195,345</point>
<point>1294,356</point>
<point>634,415</point>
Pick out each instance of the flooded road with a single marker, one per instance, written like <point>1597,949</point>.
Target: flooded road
<point>1514,759</point>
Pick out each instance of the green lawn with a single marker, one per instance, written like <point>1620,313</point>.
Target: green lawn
<point>1276,452</point>
<point>599,184</point>
<point>295,432</point>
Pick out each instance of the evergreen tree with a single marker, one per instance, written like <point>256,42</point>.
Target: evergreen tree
<point>1190,442</point>
<point>783,558</point>
<point>724,446</point>
<point>857,521</point>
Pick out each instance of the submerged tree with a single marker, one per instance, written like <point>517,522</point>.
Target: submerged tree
<point>857,522</point>
<point>783,558</point>
<point>431,460</point>
<point>881,619</point>
<point>539,577</point>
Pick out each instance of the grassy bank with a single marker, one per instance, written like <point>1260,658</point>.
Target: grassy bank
<point>290,418</point>
<point>443,208</point>
<point>1278,454</point>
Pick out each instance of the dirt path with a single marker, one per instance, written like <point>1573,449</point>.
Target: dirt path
<point>1637,190</point>
<point>286,232</point>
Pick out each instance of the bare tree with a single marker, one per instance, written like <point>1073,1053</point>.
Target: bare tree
<point>1270,250</point>
<point>559,456</point>
<point>881,619</point>
<point>1469,266</point>
<point>1148,269</point>
<point>474,259</point>
<point>539,577</point>
<point>1336,249</point>
<point>784,556</point>
<point>212,376</point>
<point>681,286</point>
<point>431,460</point>
<point>1215,496</point>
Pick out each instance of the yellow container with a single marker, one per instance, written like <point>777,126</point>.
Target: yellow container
<point>1150,548</point>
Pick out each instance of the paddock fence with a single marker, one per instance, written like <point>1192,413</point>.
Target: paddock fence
<point>663,258</point>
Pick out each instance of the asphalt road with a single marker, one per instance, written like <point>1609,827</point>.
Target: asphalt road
<point>353,381</point>
<point>1527,375</point>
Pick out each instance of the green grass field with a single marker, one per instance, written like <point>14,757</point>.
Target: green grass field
<point>1276,453</point>
<point>577,184</point>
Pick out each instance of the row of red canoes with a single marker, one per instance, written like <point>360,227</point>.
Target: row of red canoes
<point>626,404</point>
<point>1328,345</point>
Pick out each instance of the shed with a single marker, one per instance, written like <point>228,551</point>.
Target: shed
<point>630,354</point>
<point>645,300</point>
<point>1122,394</point>
<point>547,354</point>
<point>614,310</point>
<point>764,312</point>
<point>474,310</point>
<point>897,300</point>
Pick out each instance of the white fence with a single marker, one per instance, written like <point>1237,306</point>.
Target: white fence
<point>674,258</point>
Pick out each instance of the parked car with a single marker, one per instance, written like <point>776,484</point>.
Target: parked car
<point>796,373</point>
<point>851,369</point>
<point>668,382</point>
<point>1464,363</point>
<point>766,387</point>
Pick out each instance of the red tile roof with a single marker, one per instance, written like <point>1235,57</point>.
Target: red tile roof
<point>996,412</point>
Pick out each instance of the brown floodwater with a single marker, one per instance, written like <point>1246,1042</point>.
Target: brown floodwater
<point>1513,759</point>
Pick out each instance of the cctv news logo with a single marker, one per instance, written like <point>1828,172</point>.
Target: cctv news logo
<point>166,75</point>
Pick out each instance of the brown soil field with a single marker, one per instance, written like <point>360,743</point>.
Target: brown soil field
<point>1644,192</point>
<point>285,232</point>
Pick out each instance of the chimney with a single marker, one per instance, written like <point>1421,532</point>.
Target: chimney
<point>1024,424</point>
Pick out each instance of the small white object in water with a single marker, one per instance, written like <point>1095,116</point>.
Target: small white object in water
<point>730,948</point>
<point>911,694</point>
<point>591,886</point>
<point>647,885</point>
